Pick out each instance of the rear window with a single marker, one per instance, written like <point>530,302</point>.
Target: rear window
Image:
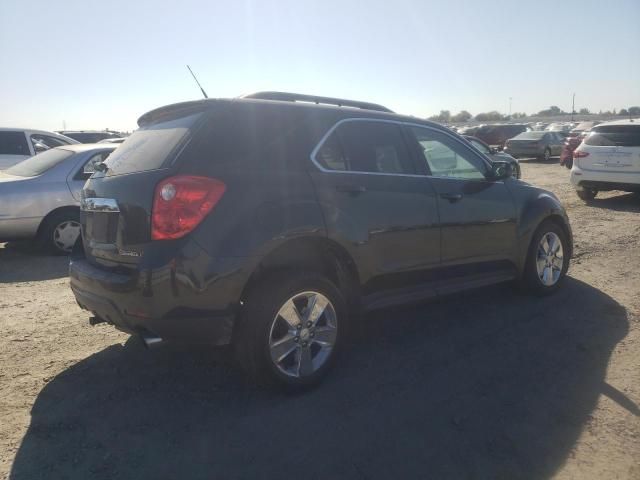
<point>151,147</point>
<point>614,135</point>
<point>530,136</point>
<point>13,143</point>
<point>39,164</point>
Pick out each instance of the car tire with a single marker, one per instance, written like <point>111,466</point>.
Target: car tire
<point>273,347</point>
<point>546,156</point>
<point>59,232</point>
<point>545,268</point>
<point>587,194</point>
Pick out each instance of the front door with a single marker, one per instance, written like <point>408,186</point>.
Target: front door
<point>477,214</point>
<point>376,206</point>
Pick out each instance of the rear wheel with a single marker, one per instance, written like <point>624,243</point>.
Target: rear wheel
<point>587,194</point>
<point>547,261</point>
<point>60,232</point>
<point>291,329</point>
<point>546,156</point>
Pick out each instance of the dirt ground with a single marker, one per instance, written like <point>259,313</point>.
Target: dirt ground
<point>489,384</point>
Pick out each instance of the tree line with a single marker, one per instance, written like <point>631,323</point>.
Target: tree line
<point>464,116</point>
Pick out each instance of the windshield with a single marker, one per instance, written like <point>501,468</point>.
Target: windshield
<point>39,164</point>
<point>530,136</point>
<point>150,147</point>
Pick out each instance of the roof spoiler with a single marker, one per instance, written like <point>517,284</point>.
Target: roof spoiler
<point>298,97</point>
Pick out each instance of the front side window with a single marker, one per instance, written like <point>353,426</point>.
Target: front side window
<point>13,143</point>
<point>364,146</point>
<point>447,158</point>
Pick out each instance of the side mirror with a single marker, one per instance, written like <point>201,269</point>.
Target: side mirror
<point>40,147</point>
<point>501,170</point>
<point>493,150</point>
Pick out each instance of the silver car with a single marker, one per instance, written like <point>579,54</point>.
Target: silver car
<point>542,145</point>
<point>40,196</point>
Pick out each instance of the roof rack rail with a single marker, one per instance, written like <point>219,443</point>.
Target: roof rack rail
<point>298,97</point>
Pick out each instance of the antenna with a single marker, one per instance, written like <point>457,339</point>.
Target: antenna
<point>194,77</point>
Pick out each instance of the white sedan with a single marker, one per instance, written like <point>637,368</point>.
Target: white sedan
<point>17,144</point>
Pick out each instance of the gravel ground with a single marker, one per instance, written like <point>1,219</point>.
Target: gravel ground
<point>489,384</point>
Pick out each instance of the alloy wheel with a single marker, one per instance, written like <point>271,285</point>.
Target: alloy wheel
<point>303,334</point>
<point>549,259</point>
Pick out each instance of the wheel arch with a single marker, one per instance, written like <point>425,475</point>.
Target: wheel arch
<point>318,254</point>
<point>52,213</point>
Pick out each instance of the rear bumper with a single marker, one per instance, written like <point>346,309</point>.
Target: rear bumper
<point>580,178</point>
<point>186,300</point>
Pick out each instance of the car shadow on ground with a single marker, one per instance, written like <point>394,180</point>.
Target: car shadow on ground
<point>623,202</point>
<point>25,262</point>
<point>542,161</point>
<point>489,384</point>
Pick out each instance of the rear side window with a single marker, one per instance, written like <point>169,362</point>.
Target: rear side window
<point>371,147</point>
<point>151,147</point>
<point>13,143</point>
<point>614,135</point>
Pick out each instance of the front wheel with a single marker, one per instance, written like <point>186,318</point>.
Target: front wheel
<point>546,156</point>
<point>547,260</point>
<point>291,329</point>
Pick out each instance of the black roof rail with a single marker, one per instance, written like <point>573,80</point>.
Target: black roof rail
<point>298,97</point>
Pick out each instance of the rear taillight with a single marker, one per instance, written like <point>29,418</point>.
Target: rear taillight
<point>580,154</point>
<point>181,202</point>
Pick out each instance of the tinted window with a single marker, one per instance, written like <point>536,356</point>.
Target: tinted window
<point>90,165</point>
<point>13,143</point>
<point>446,157</point>
<point>47,141</point>
<point>330,155</point>
<point>149,148</point>
<point>362,146</point>
<point>39,164</point>
<point>614,135</point>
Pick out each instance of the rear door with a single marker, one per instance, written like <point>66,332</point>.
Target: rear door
<point>613,149</point>
<point>477,215</point>
<point>376,205</point>
<point>13,148</point>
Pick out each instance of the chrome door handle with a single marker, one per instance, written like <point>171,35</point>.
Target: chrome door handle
<point>452,197</point>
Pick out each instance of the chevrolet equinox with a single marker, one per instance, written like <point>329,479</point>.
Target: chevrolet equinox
<point>269,221</point>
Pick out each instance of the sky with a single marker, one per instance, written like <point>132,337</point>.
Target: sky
<point>91,64</point>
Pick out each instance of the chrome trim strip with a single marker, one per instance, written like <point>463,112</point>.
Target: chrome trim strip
<point>108,205</point>
<point>314,152</point>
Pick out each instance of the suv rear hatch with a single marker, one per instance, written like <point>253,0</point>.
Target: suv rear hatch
<point>116,204</point>
<point>611,148</point>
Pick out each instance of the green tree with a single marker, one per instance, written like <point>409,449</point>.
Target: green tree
<point>633,111</point>
<point>552,111</point>
<point>624,111</point>
<point>584,111</point>
<point>461,116</point>
<point>491,116</point>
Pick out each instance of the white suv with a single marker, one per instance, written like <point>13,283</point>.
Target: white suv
<point>608,159</point>
<point>17,144</point>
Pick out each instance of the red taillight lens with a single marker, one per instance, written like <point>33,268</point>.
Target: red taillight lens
<point>181,202</point>
<point>580,154</point>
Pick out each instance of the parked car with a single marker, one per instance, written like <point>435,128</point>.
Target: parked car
<point>497,135</point>
<point>89,136</point>
<point>40,196</point>
<point>608,159</point>
<point>582,128</point>
<point>542,145</point>
<point>268,221</point>
<point>17,144</point>
<point>495,155</point>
